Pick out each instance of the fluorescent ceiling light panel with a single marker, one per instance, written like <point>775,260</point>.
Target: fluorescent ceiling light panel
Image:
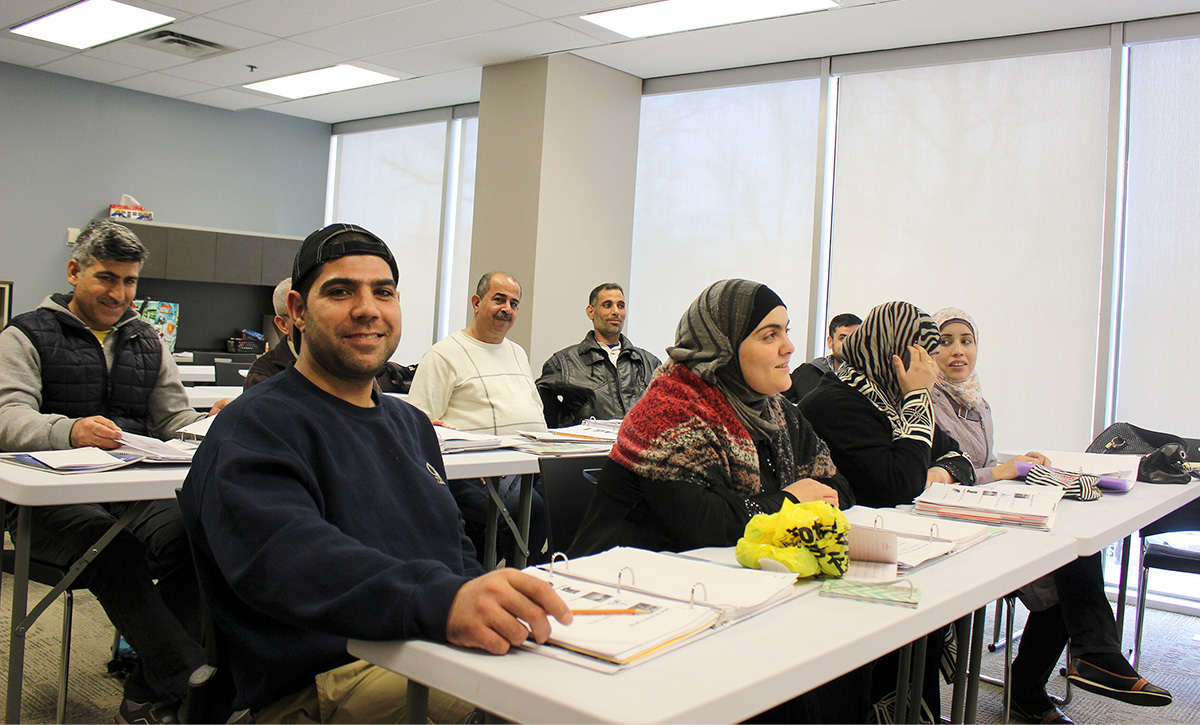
<point>675,16</point>
<point>91,23</point>
<point>316,82</point>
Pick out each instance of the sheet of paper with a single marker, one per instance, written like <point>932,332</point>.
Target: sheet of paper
<point>76,458</point>
<point>199,429</point>
<point>871,571</point>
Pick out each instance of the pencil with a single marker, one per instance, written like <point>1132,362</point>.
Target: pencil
<point>607,611</point>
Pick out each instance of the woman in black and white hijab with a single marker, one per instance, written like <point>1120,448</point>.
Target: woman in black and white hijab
<point>876,412</point>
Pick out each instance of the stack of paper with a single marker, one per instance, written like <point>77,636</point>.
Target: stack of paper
<point>1031,506</point>
<point>557,447</point>
<point>457,441</point>
<point>591,431</point>
<point>152,450</point>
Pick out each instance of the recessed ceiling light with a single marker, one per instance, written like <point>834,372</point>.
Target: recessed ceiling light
<point>326,80</point>
<point>91,23</point>
<point>675,16</point>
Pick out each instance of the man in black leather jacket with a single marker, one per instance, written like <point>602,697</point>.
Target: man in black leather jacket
<point>601,377</point>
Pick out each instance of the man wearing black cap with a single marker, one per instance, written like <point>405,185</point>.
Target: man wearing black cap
<point>318,512</point>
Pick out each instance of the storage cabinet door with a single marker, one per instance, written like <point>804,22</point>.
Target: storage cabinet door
<point>191,255</point>
<point>155,240</point>
<point>277,258</point>
<point>239,259</point>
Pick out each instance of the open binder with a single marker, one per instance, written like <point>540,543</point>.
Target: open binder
<point>887,542</point>
<point>664,600</point>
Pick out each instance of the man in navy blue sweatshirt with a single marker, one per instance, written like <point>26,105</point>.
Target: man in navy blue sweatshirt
<point>318,512</point>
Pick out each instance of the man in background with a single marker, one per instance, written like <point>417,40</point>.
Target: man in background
<point>82,370</point>
<point>283,354</point>
<point>478,380</point>
<point>601,377</point>
<point>806,376</point>
<point>319,512</point>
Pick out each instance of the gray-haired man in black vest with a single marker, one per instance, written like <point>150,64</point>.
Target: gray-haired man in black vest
<point>78,371</point>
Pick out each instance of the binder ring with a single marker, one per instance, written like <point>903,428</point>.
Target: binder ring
<point>555,558</point>
<point>632,579</point>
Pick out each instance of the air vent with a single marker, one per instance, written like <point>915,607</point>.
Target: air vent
<point>179,44</point>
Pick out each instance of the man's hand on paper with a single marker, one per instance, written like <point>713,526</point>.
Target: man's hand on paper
<point>491,611</point>
<point>95,431</point>
<point>218,405</point>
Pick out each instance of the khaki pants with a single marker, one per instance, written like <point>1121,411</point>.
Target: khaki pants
<point>359,692</point>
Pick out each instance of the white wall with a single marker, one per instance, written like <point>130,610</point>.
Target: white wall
<point>71,147</point>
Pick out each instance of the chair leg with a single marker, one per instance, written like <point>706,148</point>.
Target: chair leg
<point>1008,633</point>
<point>64,667</point>
<point>996,626</point>
<point>1066,698</point>
<point>1141,614</point>
<point>1126,545</point>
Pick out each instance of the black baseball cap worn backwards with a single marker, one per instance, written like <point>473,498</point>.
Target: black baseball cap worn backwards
<point>334,241</point>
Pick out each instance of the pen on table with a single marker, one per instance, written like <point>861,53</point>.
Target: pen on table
<point>607,611</point>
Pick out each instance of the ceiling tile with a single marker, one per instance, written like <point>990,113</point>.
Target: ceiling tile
<point>272,60</point>
<point>31,53</point>
<point>91,69</point>
<point>427,23</point>
<point>560,8</point>
<point>445,89</point>
<point>302,16</point>
<point>136,55</point>
<point>15,12</point>
<point>217,32</point>
<point>197,7</point>
<point>163,85</point>
<point>501,46</point>
<point>227,99</point>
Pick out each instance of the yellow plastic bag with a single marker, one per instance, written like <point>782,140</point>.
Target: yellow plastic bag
<point>808,538</point>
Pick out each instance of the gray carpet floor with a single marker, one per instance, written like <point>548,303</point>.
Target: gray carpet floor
<point>1171,658</point>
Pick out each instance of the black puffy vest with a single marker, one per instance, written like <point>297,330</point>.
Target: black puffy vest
<point>77,383</point>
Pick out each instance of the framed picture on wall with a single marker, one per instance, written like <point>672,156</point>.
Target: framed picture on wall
<point>5,302</point>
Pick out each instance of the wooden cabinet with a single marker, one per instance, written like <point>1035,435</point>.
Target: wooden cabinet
<point>199,254</point>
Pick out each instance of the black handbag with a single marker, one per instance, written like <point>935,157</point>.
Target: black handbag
<point>1129,439</point>
<point>1164,456</point>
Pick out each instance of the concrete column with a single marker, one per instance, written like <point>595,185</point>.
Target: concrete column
<point>557,162</point>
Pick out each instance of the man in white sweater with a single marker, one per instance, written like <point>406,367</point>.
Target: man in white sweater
<point>479,380</point>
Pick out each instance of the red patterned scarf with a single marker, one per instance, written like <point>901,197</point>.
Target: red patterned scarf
<point>684,429</point>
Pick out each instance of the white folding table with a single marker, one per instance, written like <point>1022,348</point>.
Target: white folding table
<point>739,671</point>
<point>25,487</point>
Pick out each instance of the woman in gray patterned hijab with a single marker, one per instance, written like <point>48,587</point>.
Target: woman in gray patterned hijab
<point>708,338</point>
